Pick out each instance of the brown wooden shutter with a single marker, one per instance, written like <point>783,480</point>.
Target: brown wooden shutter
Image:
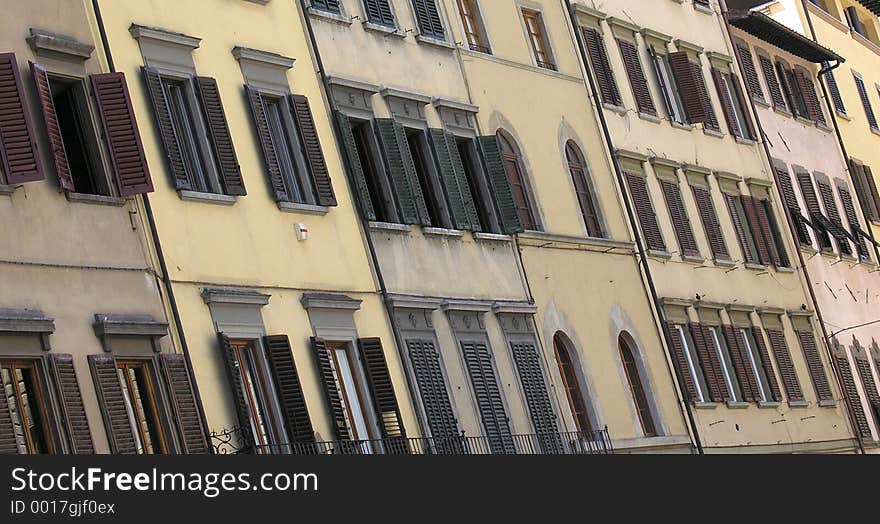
<point>110,396</point>
<point>805,181</point>
<point>772,83</point>
<point>751,73</point>
<point>786,366</point>
<point>786,188</point>
<point>633,63</point>
<point>852,219</point>
<point>18,144</point>
<point>8,441</point>
<point>184,405</point>
<point>221,139</point>
<point>766,223</point>
<point>289,390</point>
<point>53,130</point>
<point>711,121</point>
<point>236,383</point>
<point>814,364</point>
<point>270,156</point>
<point>852,392</point>
<point>331,389</point>
<point>739,227</point>
<point>833,215</point>
<point>758,334</point>
<point>811,98</point>
<point>741,366</point>
<point>726,97</point>
<point>645,211</point>
<point>680,360</point>
<point>601,67</point>
<point>709,217</point>
<point>863,366</point>
<point>680,220</point>
<point>683,72</point>
<point>166,127</point>
<point>834,89</point>
<point>762,243</point>
<point>308,135</point>
<point>711,363</point>
<point>382,392</point>
<point>122,134</point>
<point>872,192</point>
<point>73,410</point>
<point>750,132</point>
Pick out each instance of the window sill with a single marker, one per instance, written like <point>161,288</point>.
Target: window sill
<point>738,405</point>
<point>6,189</point>
<point>329,16</point>
<point>656,253</point>
<point>827,403</point>
<point>805,121</point>
<point>745,141</point>
<point>761,102</point>
<point>681,125</point>
<point>650,118</point>
<point>389,227</point>
<point>724,262</point>
<point>798,404</point>
<point>442,232</point>
<point>493,237</point>
<point>769,404</point>
<point>693,259</point>
<point>713,132</point>
<point>755,267</point>
<point>432,41</point>
<point>101,200</point>
<point>705,405</point>
<point>305,209</point>
<point>808,250</point>
<point>843,116</point>
<point>783,112</point>
<point>620,110</point>
<point>206,198</point>
<point>783,269</point>
<point>703,9</point>
<point>384,30</point>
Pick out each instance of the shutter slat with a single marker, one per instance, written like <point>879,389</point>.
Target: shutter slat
<point>428,371</point>
<point>786,366</point>
<point>166,126</point>
<point>769,71</point>
<point>758,334</point>
<point>221,138</point>
<point>689,87</point>
<point>18,143</point>
<point>762,242</point>
<point>834,88</point>
<point>852,392</point>
<point>751,73</point>
<point>109,390</point>
<point>710,362</point>
<point>8,440</point>
<point>808,90</point>
<point>401,172</point>
<point>236,383</point>
<point>287,385</point>
<point>739,227</point>
<point>308,134</point>
<point>601,66</point>
<point>681,362</point>
<point>184,405</point>
<point>72,407</point>
<point>866,102</point>
<point>500,185</point>
<point>53,129</point>
<point>384,398</point>
<point>808,191</point>
<point>852,218</point>
<point>740,358</point>
<point>725,96</point>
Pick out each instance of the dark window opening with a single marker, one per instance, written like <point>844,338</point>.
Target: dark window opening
<point>255,392</point>
<point>139,392</point>
<point>571,382</point>
<point>418,148</point>
<point>24,396</point>
<point>278,128</point>
<point>78,136</point>
<point>792,89</point>
<point>363,137</point>
<point>468,152</point>
<point>640,397</point>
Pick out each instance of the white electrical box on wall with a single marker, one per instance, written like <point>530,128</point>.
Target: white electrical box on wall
<point>302,231</point>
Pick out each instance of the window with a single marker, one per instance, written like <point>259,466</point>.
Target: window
<point>577,169</point>
<point>294,182</point>
<point>709,217</point>
<point>629,52</point>
<point>741,226</point>
<point>538,39</point>
<point>139,394</point>
<point>473,26</point>
<point>473,171</point>
<point>27,406</point>
<point>684,233</point>
<point>733,103</point>
<point>727,369</point>
<point>513,167</point>
<point>601,66</point>
<point>866,102</point>
<point>256,392</point>
<point>569,371</point>
<point>757,365</point>
<point>749,71</point>
<point>666,82</point>
<point>688,72</point>
<point>379,12</point>
<point>331,6</point>
<point>701,389</point>
<point>365,141</point>
<point>775,243</point>
<point>855,23</point>
<point>194,161</point>
<point>866,190</point>
<point>834,88</point>
<point>773,83</point>
<point>348,381</point>
<point>794,96</point>
<point>808,191</point>
<point>636,387</point>
<point>429,19</point>
<point>418,146</point>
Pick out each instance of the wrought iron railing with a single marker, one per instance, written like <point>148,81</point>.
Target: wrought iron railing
<point>229,441</point>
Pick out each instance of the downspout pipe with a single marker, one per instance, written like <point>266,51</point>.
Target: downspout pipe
<point>383,290</point>
<point>643,258</point>
<point>792,228</point>
<point>163,267</point>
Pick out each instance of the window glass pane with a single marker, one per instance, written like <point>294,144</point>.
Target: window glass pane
<point>739,120</point>
<point>283,149</point>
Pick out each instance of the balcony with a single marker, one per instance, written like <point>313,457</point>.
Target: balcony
<point>228,441</point>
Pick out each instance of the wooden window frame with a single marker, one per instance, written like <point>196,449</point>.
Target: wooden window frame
<point>586,195</point>
<point>536,35</point>
<point>472,26</point>
<point>513,166</point>
<point>150,386</point>
<point>637,388</point>
<point>41,404</point>
<point>356,372</point>
<point>571,384</point>
<point>268,434</point>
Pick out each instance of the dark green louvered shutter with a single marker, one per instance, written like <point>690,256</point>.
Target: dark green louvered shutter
<point>402,172</point>
<point>236,384</point>
<point>488,396</point>
<point>428,17</point>
<point>379,12</point>
<point>355,168</point>
<point>184,406</point>
<point>454,180</point>
<point>534,385</point>
<point>120,434</point>
<point>289,390</point>
<point>326,5</point>
<point>833,88</point>
<point>72,408</point>
<point>493,163</point>
<point>428,371</point>
<point>382,392</point>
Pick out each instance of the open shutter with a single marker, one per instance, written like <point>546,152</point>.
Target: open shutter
<point>709,217</point>
<point>8,441</point>
<point>355,168</point>
<point>772,83</point>
<point>681,362</point>
<point>871,192</point>
<point>834,89</point>
<point>786,188</point>
<point>863,366</point>
<point>184,405</point>
<point>308,135</point>
<point>221,139</point>
<point>493,163</point>
<point>770,231</point>
<point>750,132</point>
<point>866,102</point>
<point>751,73</point>
<point>636,74</point>
<point>831,211</point>
<point>711,363</point>
<point>534,386</point>
<point>121,134</point>
<point>18,144</point>
<point>331,389</point>
<point>116,421</point>
<point>53,130</point>
<point>73,410</point>
<point>814,364</point>
<point>236,383</point>
<point>758,334</point>
<point>412,175</point>
<point>454,180</point>
<point>852,219</point>
<point>711,121</point>
<point>601,67</point>
<point>811,98</point>
<point>763,243</point>
<point>289,389</point>
<point>401,172</point>
<point>741,366</point>
<point>166,127</point>
<point>689,87</point>
<point>270,155</point>
<point>680,220</point>
<point>786,366</point>
<point>428,17</point>
<point>645,211</point>
<point>487,393</point>
<point>805,181</point>
<point>726,98</point>
<point>382,393</point>
<point>851,390</point>
<point>739,227</point>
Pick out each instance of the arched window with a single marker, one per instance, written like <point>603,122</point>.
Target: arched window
<point>513,166</point>
<point>569,373</point>
<point>578,170</point>
<point>640,397</point>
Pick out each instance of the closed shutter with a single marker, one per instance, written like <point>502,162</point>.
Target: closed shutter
<point>331,389</point>
<point>792,207</point>
<point>834,88</point>
<point>680,360</point>
<point>871,191</point>
<point>785,365</point>
<point>772,82</point>
<point>763,243</point>
<point>493,163</point>
<point>428,17</point>
<point>184,404</point>
<point>852,393</point>
<point>287,385</point>
<point>686,81</point>
<point>750,132</point>
<point>72,408</point>
<point>833,215</point>
<point>808,90</point>
<point>726,98</point>
<point>487,393</point>
<point>110,396</point>
<point>308,136</point>
<point>236,383</point>
<point>270,155</point>
<point>866,102</point>
<point>637,80</point>
<point>704,3</point>
<point>739,227</point>
<point>709,217</point>
<point>602,67</point>
<point>379,11</point>
<point>534,385</point>
<point>792,89</point>
<point>382,392</point>
<point>8,441</point>
<point>751,73</point>
<point>166,127</point>
<point>758,335</point>
<point>805,181</point>
<point>221,139</point>
<point>122,134</point>
<point>355,168</point>
<point>454,180</point>
<point>814,364</point>
<point>53,129</point>
<point>741,366</point>
<point>326,5</point>
<point>428,371</point>
<point>680,220</point>
<point>711,121</point>
<point>402,172</point>
<point>461,175</point>
<point>852,218</point>
<point>645,211</point>
<point>770,232</point>
<point>863,365</point>
<point>710,362</point>
<point>18,144</point>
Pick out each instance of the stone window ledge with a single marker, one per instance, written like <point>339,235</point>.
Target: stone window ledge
<point>389,227</point>
<point>442,232</point>
<point>206,198</point>
<point>234,296</point>
<point>306,209</point>
<point>101,200</point>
